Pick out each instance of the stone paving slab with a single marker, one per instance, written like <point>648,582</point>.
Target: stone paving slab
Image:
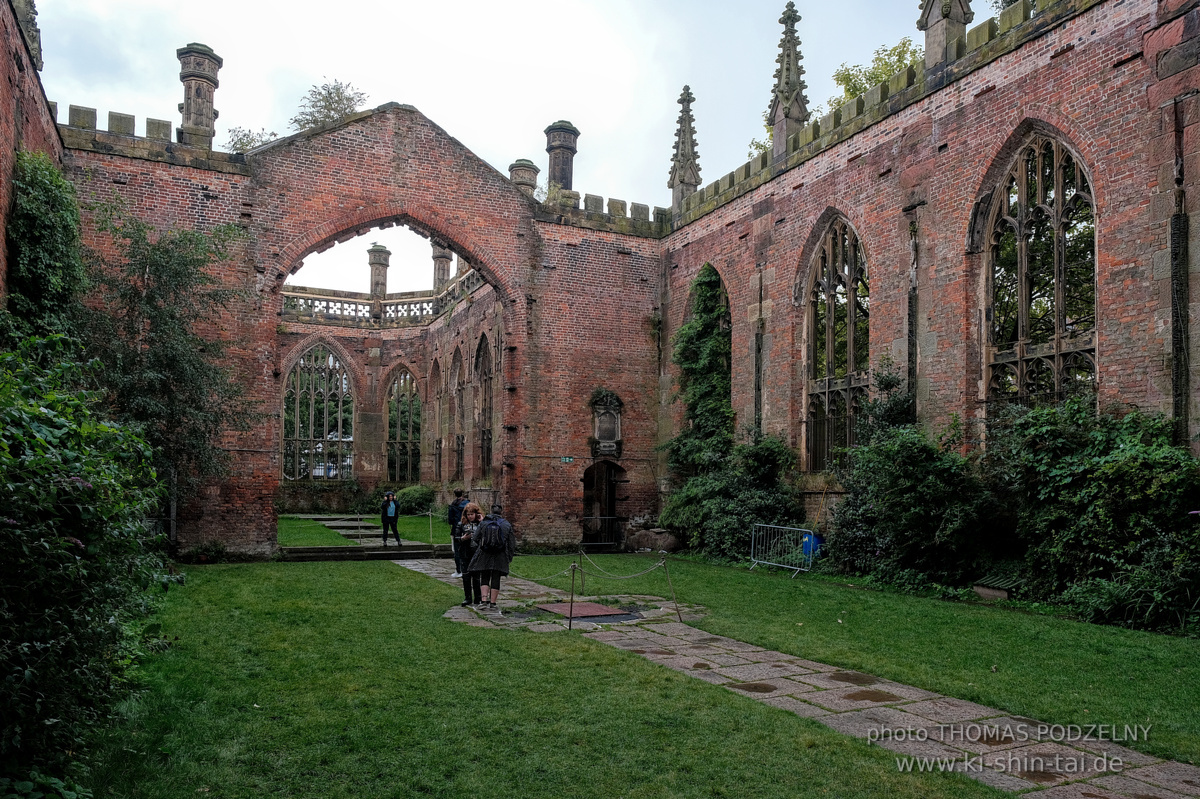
<point>995,748</point>
<point>1124,785</point>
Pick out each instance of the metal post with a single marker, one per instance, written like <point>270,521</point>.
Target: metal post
<point>571,608</point>
<point>674,601</point>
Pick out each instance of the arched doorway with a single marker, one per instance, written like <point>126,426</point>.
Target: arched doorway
<point>602,523</point>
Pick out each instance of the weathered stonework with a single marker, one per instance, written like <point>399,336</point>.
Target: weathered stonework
<point>563,297</point>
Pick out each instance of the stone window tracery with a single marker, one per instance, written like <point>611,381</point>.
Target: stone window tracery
<point>458,415</point>
<point>435,382</point>
<point>839,316</point>
<point>1041,306</point>
<point>404,430</point>
<point>483,376</point>
<point>318,418</point>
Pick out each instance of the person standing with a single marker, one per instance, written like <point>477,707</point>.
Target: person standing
<point>464,540</point>
<point>453,516</point>
<point>389,514</point>
<point>495,547</point>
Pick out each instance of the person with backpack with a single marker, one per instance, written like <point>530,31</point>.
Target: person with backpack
<point>454,515</point>
<point>464,542</point>
<point>494,550</point>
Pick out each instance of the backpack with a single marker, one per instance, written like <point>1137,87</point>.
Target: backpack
<point>493,534</point>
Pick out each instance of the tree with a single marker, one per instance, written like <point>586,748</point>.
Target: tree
<point>242,140</point>
<point>885,63</point>
<point>1000,5</point>
<point>328,102</point>
<point>161,374</point>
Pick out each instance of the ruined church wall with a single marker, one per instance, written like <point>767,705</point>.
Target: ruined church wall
<point>1088,82</point>
<point>237,510</point>
<point>26,121</point>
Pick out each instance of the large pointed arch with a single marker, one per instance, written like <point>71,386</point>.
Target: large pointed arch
<point>458,414</point>
<point>1034,228</point>
<point>835,309</point>
<point>404,415</point>
<point>318,414</point>
<point>485,406</point>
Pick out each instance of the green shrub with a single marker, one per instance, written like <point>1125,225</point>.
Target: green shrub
<point>45,266</point>
<point>76,554</point>
<point>413,500</point>
<point>716,511</point>
<point>1098,497</point>
<point>39,786</point>
<point>912,513</point>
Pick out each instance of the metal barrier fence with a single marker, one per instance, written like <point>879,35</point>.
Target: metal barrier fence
<point>786,547</point>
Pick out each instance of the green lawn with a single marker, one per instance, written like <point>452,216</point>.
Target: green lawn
<point>1050,669</point>
<point>343,680</point>
<point>297,532</point>
<point>416,528</point>
<point>294,532</point>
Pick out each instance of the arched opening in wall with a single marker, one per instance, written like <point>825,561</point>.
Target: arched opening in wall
<point>404,430</point>
<point>458,415</point>
<point>435,418</point>
<point>483,427</point>
<point>318,418</point>
<point>386,260</point>
<point>839,353</point>
<point>702,350</point>
<point>1041,281</point>
<point>603,482</point>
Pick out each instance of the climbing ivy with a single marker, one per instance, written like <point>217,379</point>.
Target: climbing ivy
<point>45,266</point>
<point>703,350</point>
<point>727,488</point>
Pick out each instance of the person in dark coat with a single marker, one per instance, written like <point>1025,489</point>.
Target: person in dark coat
<point>463,536</point>
<point>491,566</point>
<point>389,514</point>
<point>453,516</point>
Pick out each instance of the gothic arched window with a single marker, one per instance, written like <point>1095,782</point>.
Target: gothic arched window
<point>1041,305</point>
<point>483,429</point>
<point>318,418</point>
<point>458,414</point>
<point>839,362</point>
<point>435,385</point>
<point>404,430</point>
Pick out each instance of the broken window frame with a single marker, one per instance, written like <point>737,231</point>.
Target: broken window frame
<point>1045,354</point>
<point>838,372</point>
<point>404,430</point>
<point>318,397</point>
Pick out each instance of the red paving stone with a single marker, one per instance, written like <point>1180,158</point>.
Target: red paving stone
<point>581,609</point>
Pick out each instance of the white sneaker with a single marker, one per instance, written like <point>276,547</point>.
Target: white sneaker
<point>456,574</point>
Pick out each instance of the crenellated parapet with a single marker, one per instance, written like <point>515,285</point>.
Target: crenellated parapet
<point>977,47</point>
<point>119,138</point>
<point>635,219</point>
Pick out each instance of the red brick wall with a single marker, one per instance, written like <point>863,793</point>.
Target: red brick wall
<point>940,155</point>
<point>25,121</point>
<point>573,307</point>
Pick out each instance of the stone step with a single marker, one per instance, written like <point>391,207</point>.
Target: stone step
<point>404,552</point>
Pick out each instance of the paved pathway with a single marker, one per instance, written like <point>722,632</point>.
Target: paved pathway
<point>1001,750</point>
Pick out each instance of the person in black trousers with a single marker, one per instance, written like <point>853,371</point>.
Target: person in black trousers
<point>389,513</point>
<point>453,516</point>
<point>464,538</point>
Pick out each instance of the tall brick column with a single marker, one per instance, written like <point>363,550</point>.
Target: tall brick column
<point>560,143</point>
<point>198,67</point>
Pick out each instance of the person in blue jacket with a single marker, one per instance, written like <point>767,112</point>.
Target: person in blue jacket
<point>389,514</point>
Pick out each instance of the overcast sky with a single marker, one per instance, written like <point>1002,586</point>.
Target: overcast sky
<point>492,74</point>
